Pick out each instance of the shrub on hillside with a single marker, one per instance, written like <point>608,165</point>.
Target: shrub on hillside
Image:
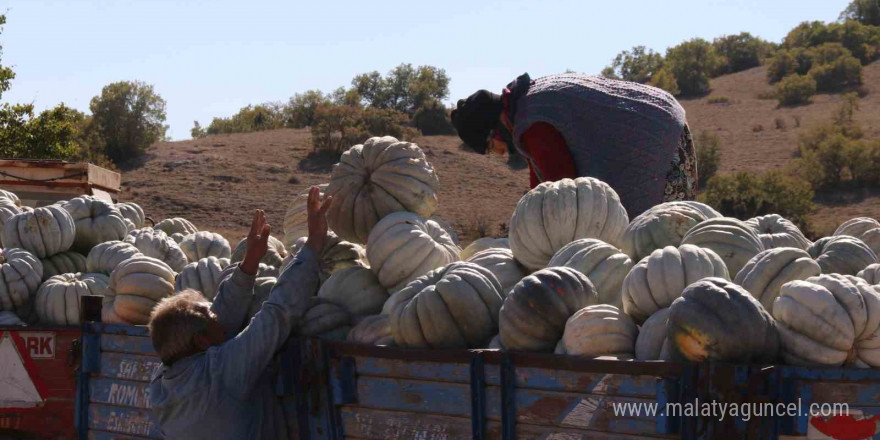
<point>795,89</point>
<point>300,109</point>
<point>433,119</point>
<point>741,52</point>
<point>863,158</point>
<point>338,127</point>
<point>248,119</point>
<point>863,11</point>
<point>693,63</point>
<point>129,117</point>
<point>638,65</point>
<point>745,195</point>
<point>665,80</point>
<point>841,74</point>
<point>708,156</point>
<point>863,41</point>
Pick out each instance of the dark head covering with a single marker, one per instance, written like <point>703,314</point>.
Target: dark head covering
<point>476,117</point>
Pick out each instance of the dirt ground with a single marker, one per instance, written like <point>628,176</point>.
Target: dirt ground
<point>217,181</point>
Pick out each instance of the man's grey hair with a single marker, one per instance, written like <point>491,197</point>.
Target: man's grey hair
<point>175,322</point>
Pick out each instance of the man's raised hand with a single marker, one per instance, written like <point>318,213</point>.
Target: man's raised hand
<point>317,210</point>
<point>257,243</point>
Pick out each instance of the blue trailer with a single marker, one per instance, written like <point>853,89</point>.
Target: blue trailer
<point>340,390</point>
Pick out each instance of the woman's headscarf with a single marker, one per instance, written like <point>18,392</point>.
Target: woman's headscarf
<point>476,117</point>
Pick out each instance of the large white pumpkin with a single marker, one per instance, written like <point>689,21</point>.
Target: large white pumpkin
<point>20,276</point>
<point>375,179</point>
<point>765,274</point>
<point>204,244</point>
<point>501,263</point>
<point>104,257</point>
<point>274,256</point>
<point>776,232</point>
<point>356,289</point>
<point>10,197</point>
<point>296,218</point>
<point>262,288</point>
<point>373,330</point>
<point>821,319</point>
<point>43,232</point>
<point>733,240</point>
<point>663,225</point>
<point>96,221</point>
<point>656,281</point>
<point>202,276</point>
<point>864,228</point>
<point>325,320</point>
<point>455,306</point>
<point>600,330</point>
<point>138,284</point>
<point>177,228</point>
<point>482,244</point>
<point>404,246</point>
<point>65,262</point>
<point>7,210</point>
<point>652,343</point>
<point>554,214</point>
<point>133,212</point>
<point>605,265</point>
<point>57,301</point>
<point>9,319</point>
<point>871,274</point>
<point>842,254</point>
<point>336,255</point>
<point>157,244</point>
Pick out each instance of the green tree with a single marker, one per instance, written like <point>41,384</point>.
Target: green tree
<point>693,62</point>
<point>740,52</point>
<point>708,156</point>
<point>53,134</point>
<point>130,117</point>
<point>863,11</point>
<point>637,65</point>
<point>248,119</point>
<point>6,73</point>
<point>795,90</point>
<point>300,109</point>
<point>863,41</point>
<point>405,88</point>
<point>665,80</point>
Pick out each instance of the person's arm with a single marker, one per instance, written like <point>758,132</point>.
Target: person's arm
<point>235,292</point>
<point>550,153</point>
<point>240,361</point>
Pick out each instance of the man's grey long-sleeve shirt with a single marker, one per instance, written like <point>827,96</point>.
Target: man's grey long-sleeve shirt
<point>228,391</point>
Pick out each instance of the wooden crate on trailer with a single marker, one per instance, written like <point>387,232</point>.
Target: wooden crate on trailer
<point>43,182</point>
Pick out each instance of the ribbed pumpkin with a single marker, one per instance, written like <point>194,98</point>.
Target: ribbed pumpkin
<point>764,274</point>
<point>455,306</point>
<point>43,232</point>
<point>482,244</point>
<point>202,275</point>
<point>404,246</point>
<point>274,256</point>
<point>20,276</point>
<point>534,313</point>
<point>652,343</point>
<point>96,221</point>
<point>177,228</point>
<point>336,255</point>
<point>871,274</point>
<point>9,319</point>
<point>7,210</point>
<point>157,244</point>
<point>204,244</point>
<point>842,254</point>
<point>65,262</point>
<point>715,319</point>
<point>57,301</point>
<point>133,212</point>
<point>733,240</point>
<point>600,330</point>
<point>373,330</point>
<point>296,218</point>
<point>776,232</point>
<point>660,278</point>
<point>356,289</point>
<point>663,225</point>
<point>864,228</point>
<point>138,284</point>
<point>104,257</point>
<point>262,288</point>
<point>708,211</point>
<point>605,266</point>
<point>501,263</point>
<point>823,319</point>
<point>375,179</point>
<point>11,197</point>
<point>325,320</point>
<point>554,214</point>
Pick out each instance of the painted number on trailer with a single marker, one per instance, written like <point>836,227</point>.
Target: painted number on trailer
<point>40,345</point>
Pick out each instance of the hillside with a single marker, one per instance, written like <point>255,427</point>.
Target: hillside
<point>217,181</point>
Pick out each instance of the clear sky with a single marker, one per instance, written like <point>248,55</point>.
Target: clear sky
<point>210,58</point>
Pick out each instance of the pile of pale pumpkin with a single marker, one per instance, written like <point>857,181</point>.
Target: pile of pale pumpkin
<point>680,282</point>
